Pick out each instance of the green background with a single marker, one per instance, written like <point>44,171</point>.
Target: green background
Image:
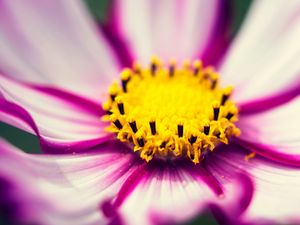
<point>98,8</point>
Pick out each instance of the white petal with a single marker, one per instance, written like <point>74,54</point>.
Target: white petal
<point>61,189</point>
<point>276,197</point>
<point>263,59</point>
<point>58,118</point>
<point>55,43</point>
<point>166,28</point>
<point>276,132</point>
<point>174,194</point>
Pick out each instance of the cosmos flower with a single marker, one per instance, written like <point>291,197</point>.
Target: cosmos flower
<point>134,139</point>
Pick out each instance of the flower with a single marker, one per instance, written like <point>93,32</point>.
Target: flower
<point>56,68</point>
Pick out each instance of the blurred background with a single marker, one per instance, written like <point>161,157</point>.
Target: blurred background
<point>99,11</point>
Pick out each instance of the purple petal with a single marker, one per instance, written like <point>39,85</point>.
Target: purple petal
<point>181,30</point>
<point>267,103</point>
<point>274,133</point>
<point>55,43</point>
<point>51,190</point>
<point>263,59</point>
<point>220,38</point>
<point>58,118</point>
<point>111,184</point>
<point>276,199</point>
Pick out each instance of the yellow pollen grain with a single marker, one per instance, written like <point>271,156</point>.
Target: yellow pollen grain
<point>170,111</point>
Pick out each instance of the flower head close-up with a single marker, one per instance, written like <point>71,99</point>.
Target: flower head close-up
<point>161,112</point>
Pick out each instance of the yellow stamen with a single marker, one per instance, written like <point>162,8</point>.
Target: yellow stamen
<point>169,111</point>
<point>250,156</point>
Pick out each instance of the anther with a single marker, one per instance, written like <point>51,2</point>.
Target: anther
<point>186,64</point>
<point>163,144</point>
<point>197,67</point>
<point>141,142</point>
<point>192,139</point>
<point>205,75</point>
<point>180,130</point>
<point>229,115</point>
<point>192,154</point>
<point>172,68</point>
<point>206,126</point>
<point>124,85</point>
<point>153,69</point>
<point>120,105</point>
<point>150,152</point>
<point>213,84</point>
<point>113,91</point>
<point>232,111</point>
<point>125,77</point>
<point>113,97</point>
<point>218,134</point>
<point>106,107</point>
<point>152,127</point>
<point>214,81</point>
<point>137,68</point>
<point>118,124</point>
<point>224,99</point>
<point>216,108</point>
<point>208,71</point>
<point>216,113</point>
<point>154,65</point>
<point>133,126</point>
<point>226,95</point>
<point>121,108</point>
<point>206,129</point>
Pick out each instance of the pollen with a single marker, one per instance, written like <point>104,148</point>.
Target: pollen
<point>169,111</point>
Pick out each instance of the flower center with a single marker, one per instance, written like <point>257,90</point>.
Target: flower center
<point>170,111</point>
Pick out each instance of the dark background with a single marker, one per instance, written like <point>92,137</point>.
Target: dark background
<point>98,9</point>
